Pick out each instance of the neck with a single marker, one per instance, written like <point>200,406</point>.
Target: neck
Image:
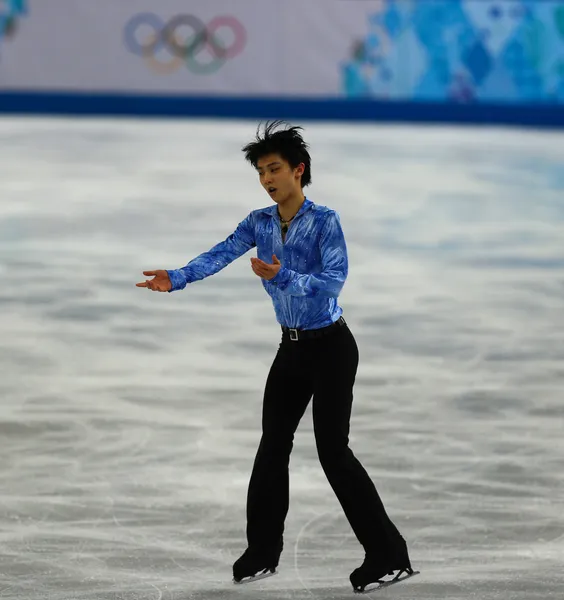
<point>291,206</point>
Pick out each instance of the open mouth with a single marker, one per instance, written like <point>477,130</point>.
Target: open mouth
<point>271,190</point>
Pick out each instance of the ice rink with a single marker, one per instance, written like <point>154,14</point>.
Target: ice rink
<point>129,420</point>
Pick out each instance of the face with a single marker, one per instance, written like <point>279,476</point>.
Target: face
<point>277,177</point>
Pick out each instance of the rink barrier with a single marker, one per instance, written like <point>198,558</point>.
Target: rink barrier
<point>124,105</point>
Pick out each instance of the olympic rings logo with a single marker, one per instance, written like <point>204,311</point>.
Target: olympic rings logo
<point>186,39</point>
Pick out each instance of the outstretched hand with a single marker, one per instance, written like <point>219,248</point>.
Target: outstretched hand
<point>265,270</point>
<point>159,283</point>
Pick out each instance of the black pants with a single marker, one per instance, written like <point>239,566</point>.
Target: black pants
<point>324,368</point>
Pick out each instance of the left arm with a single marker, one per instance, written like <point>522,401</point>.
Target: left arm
<point>334,262</point>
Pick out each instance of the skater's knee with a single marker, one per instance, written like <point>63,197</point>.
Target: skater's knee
<point>331,450</point>
<point>275,446</point>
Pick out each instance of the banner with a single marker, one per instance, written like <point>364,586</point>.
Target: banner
<point>453,51</point>
<point>172,46</point>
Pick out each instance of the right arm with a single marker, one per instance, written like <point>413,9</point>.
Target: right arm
<point>217,258</point>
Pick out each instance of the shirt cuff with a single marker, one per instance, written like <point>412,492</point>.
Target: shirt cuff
<point>282,278</point>
<point>177,280</point>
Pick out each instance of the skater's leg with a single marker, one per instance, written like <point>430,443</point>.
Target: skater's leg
<point>288,390</point>
<point>336,363</point>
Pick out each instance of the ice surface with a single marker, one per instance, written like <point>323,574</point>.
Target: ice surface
<point>129,420</point>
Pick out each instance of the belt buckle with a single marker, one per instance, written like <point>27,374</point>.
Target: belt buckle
<point>295,332</point>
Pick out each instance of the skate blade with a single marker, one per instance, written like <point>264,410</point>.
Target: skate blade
<point>266,573</point>
<point>381,583</point>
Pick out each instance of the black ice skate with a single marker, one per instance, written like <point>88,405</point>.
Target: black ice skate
<point>252,566</point>
<point>373,571</point>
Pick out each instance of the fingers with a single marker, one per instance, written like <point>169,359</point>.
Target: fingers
<point>258,261</point>
<point>255,264</point>
<point>146,283</point>
<point>258,269</point>
<point>152,285</point>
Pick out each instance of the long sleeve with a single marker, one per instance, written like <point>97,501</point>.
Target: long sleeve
<point>217,258</point>
<point>329,282</point>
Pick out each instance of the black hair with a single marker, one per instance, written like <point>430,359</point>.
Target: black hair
<point>288,143</point>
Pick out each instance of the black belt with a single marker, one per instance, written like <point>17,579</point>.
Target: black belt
<point>310,334</point>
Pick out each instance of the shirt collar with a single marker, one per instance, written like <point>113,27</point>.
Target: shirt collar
<point>273,210</point>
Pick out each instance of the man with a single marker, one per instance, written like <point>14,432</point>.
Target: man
<point>302,262</point>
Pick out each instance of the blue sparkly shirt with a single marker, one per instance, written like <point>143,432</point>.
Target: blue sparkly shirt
<point>313,257</point>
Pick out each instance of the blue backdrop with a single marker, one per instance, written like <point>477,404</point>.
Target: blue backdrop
<point>461,51</point>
